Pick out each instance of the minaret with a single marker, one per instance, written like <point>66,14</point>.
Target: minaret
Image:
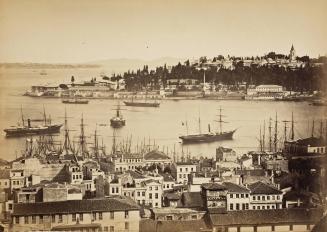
<point>292,55</point>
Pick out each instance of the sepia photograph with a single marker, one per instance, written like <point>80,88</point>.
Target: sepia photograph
<point>163,115</point>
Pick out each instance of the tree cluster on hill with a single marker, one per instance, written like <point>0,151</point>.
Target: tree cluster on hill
<point>308,78</point>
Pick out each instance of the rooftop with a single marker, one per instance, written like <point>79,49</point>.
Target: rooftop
<point>262,188</point>
<point>156,155</point>
<point>234,188</point>
<point>213,186</point>
<point>74,206</point>
<point>255,217</point>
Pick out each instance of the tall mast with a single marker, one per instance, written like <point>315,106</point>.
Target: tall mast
<point>285,130</point>
<point>270,139</point>
<point>260,141</point>
<point>321,130</point>
<point>199,123</point>
<point>313,128</point>
<point>264,135</point>
<point>22,115</point>
<point>275,135</point>
<point>292,128</point>
<point>204,79</point>
<point>220,121</point>
<point>82,139</point>
<point>45,116</point>
<point>67,144</point>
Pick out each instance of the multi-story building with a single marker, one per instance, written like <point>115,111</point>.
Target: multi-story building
<point>225,154</point>
<point>264,196</point>
<point>181,170</point>
<point>109,214</point>
<point>238,197</point>
<point>153,193</point>
<point>124,162</point>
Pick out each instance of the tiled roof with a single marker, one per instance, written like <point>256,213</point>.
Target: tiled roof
<point>262,188</point>
<point>135,175</point>
<point>192,200</point>
<point>234,188</point>
<point>257,217</point>
<point>4,173</point>
<point>172,196</point>
<point>311,141</point>
<point>75,206</point>
<point>185,163</point>
<point>224,149</point>
<point>156,155</point>
<point>149,225</point>
<point>213,186</point>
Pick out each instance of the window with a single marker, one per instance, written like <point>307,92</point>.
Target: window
<point>186,169</point>
<point>277,197</point>
<point>143,194</point>
<point>246,206</point>
<point>191,169</point>
<point>194,217</point>
<point>113,190</point>
<point>180,176</point>
<point>117,190</point>
<point>237,206</point>
<point>180,169</point>
<point>150,188</point>
<point>263,207</point>
<point>156,196</point>
<point>100,215</point>
<point>94,216</point>
<point>268,207</point>
<point>291,227</point>
<point>33,219</point>
<point>112,215</point>
<point>268,198</point>
<point>273,198</point>
<point>243,206</point>
<point>112,228</point>
<point>81,216</point>
<point>126,225</point>
<point>53,218</point>
<point>16,220</point>
<point>41,219</point>
<point>273,207</point>
<point>156,187</point>
<point>242,195</point>
<point>105,229</point>
<point>60,218</point>
<point>138,194</point>
<point>263,198</point>
<point>231,206</point>
<point>254,198</point>
<point>10,206</point>
<point>169,218</point>
<point>231,195</point>
<point>26,219</point>
<point>258,207</point>
<point>246,195</point>
<point>150,195</point>
<point>258,198</point>
<point>237,195</point>
<point>74,217</point>
<point>126,214</point>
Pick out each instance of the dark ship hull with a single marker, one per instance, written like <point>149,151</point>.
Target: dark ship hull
<point>23,131</point>
<point>206,138</point>
<point>142,104</point>
<point>117,123</point>
<point>75,101</point>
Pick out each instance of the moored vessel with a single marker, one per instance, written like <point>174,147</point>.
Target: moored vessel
<point>210,136</point>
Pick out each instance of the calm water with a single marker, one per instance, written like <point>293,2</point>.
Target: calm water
<point>162,125</point>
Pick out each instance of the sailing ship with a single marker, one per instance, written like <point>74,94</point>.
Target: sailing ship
<point>28,129</point>
<point>117,121</point>
<point>210,136</point>
<point>144,103</point>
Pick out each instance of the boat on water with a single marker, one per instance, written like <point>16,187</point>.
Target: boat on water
<point>25,130</point>
<point>210,136</point>
<point>144,103</point>
<point>319,102</point>
<point>75,101</point>
<point>118,120</point>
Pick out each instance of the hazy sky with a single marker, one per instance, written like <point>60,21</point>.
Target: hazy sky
<point>79,31</point>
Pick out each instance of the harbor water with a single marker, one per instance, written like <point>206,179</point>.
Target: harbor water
<point>160,126</point>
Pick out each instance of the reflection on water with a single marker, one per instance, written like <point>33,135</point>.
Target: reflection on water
<point>161,126</point>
